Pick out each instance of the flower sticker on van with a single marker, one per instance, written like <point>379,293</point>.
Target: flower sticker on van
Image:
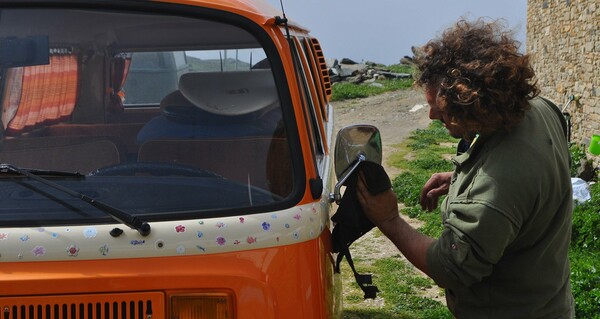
<point>90,232</point>
<point>38,251</point>
<point>104,250</point>
<point>72,250</point>
<point>266,226</point>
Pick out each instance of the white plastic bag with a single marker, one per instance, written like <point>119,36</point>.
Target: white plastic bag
<point>581,191</point>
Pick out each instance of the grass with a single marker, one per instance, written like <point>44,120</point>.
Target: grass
<point>401,68</point>
<point>345,91</point>
<point>425,152</point>
<point>401,292</point>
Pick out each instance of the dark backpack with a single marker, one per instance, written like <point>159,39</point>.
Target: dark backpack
<point>351,222</point>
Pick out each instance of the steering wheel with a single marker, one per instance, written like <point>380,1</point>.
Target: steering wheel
<point>154,169</point>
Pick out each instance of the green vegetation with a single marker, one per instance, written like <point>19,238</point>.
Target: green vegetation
<point>425,152</point>
<point>585,256</point>
<point>577,154</point>
<point>345,91</point>
<point>400,68</point>
<point>401,287</point>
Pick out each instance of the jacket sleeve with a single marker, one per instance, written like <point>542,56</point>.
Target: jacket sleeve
<point>474,239</point>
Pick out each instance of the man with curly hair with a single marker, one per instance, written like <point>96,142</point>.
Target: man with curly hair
<point>507,209</point>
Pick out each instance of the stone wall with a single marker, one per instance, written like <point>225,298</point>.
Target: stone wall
<point>563,38</point>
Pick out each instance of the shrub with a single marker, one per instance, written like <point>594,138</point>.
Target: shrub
<point>586,223</point>
<point>585,283</point>
<point>577,154</point>
<point>585,256</point>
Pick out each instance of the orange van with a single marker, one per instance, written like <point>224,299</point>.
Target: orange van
<point>165,159</point>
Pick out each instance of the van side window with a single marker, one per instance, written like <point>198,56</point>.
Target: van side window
<point>315,124</point>
<point>153,75</point>
<point>317,114</point>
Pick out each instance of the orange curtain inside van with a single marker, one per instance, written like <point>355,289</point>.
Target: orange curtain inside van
<point>118,74</point>
<point>40,94</point>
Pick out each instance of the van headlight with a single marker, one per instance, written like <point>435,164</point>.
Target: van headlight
<point>202,306</point>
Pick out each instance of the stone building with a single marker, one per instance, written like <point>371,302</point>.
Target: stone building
<point>563,38</point>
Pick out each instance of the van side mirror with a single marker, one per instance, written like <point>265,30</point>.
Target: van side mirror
<point>354,144</point>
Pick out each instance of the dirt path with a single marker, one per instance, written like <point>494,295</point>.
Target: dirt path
<point>397,115</point>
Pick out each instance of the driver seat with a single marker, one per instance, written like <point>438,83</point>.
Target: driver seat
<point>247,160</point>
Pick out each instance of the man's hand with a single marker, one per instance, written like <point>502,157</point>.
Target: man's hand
<point>379,208</point>
<point>437,185</point>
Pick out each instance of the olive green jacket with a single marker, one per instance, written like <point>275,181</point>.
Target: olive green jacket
<point>507,224</point>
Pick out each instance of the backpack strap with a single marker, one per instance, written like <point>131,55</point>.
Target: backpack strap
<point>563,122</point>
<point>365,282</point>
<point>561,116</point>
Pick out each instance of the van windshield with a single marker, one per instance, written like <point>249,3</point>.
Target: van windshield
<point>165,117</point>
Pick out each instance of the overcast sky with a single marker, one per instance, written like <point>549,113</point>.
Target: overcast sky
<point>383,31</point>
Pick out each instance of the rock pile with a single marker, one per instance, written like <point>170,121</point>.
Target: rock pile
<point>347,70</point>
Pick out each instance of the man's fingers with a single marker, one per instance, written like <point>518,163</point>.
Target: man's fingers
<point>432,201</point>
<point>425,192</point>
<point>432,197</point>
<point>427,201</point>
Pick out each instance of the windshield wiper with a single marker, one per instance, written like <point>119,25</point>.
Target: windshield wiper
<point>121,216</point>
<point>39,172</point>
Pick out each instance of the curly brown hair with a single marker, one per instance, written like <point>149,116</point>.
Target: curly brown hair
<point>482,81</point>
